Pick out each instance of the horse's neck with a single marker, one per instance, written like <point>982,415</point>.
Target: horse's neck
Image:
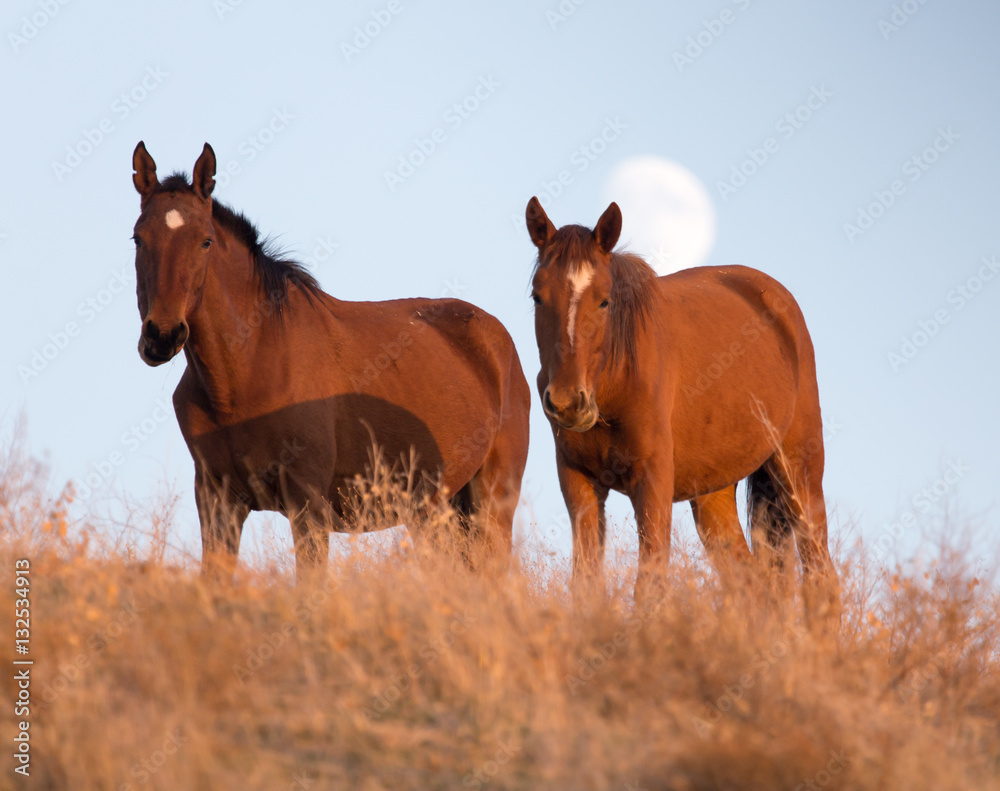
<point>621,380</point>
<point>226,328</point>
<point>615,389</point>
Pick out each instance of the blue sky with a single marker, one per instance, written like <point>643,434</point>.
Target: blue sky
<point>850,150</point>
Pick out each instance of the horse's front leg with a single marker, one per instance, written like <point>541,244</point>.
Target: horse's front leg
<point>311,535</point>
<point>652,495</point>
<point>585,503</point>
<point>221,527</point>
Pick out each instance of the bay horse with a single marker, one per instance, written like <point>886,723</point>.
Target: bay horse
<point>286,388</point>
<point>676,388</point>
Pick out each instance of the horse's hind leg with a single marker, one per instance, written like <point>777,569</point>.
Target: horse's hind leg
<point>496,490</point>
<point>465,503</point>
<point>770,521</point>
<point>798,469</point>
<point>718,525</point>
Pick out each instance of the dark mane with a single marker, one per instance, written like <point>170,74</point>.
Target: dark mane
<point>273,269</point>
<point>633,286</point>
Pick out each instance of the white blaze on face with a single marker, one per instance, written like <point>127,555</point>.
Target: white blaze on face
<point>579,278</point>
<point>174,219</point>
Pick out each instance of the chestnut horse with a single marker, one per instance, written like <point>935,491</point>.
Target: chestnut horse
<point>676,388</point>
<point>287,388</point>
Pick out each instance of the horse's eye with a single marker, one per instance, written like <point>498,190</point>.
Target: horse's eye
<point>605,303</point>
<point>536,299</point>
<point>206,244</point>
<point>137,240</point>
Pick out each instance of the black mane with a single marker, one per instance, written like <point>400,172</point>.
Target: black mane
<point>272,267</point>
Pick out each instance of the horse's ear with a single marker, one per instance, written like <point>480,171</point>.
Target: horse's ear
<point>204,173</point>
<point>144,177</point>
<point>540,227</point>
<point>608,228</point>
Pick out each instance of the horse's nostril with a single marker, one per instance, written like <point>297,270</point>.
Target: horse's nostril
<point>179,334</point>
<point>547,401</point>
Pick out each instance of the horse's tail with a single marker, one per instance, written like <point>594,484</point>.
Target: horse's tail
<point>768,513</point>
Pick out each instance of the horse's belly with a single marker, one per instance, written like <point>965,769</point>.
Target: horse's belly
<point>730,413</point>
<point>267,460</point>
<point>441,435</point>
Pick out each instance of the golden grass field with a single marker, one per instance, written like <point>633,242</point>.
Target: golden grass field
<point>406,672</point>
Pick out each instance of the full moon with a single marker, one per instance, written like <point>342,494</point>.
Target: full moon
<point>667,214</point>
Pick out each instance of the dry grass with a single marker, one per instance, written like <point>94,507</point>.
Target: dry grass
<point>409,672</point>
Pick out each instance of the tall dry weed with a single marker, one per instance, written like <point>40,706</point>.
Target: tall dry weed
<point>409,671</point>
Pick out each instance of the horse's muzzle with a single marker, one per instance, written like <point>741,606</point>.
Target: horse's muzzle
<point>577,413</point>
<point>157,346</point>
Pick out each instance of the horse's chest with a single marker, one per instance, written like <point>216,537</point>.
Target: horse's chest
<point>607,460</point>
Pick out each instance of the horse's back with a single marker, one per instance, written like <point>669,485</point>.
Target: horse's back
<point>453,331</point>
<point>736,309</point>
